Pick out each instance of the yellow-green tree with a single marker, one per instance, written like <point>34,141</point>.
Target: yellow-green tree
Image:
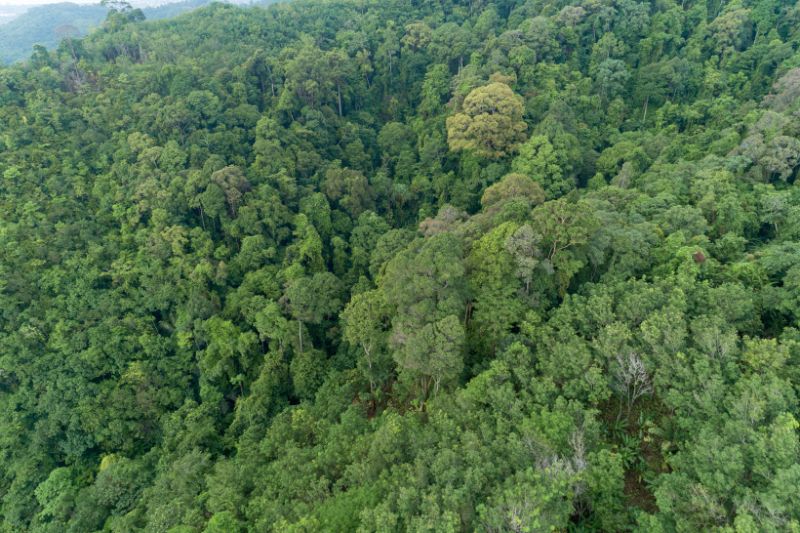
<point>490,122</point>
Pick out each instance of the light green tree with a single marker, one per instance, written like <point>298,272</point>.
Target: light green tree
<point>490,122</point>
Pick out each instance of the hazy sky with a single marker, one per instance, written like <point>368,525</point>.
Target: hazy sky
<point>135,3</point>
<point>37,2</point>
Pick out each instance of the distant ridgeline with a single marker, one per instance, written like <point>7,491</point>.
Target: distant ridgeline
<point>47,25</point>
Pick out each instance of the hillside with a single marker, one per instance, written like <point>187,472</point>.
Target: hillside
<point>427,266</point>
<point>10,12</point>
<point>48,24</point>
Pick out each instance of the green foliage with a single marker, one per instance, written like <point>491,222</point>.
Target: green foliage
<point>319,267</point>
<point>537,159</point>
<point>490,122</point>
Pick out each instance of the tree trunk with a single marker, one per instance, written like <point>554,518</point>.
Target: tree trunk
<point>271,81</point>
<point>644,113</point>
<point>369,365</point>
<point>300,334</point>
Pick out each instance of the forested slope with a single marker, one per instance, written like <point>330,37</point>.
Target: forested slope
<point>403,265</point>
<point>48,24</point>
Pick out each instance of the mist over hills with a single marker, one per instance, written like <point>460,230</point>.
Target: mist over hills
<point>22,27</point>
<point>8,13</point>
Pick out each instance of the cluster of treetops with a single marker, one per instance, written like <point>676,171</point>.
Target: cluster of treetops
<point>405,265</point>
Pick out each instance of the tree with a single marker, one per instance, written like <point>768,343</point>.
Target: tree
<point>305,253</point>
<point>431,355</point>
<point>781,156</point>
<point>348,188</point>
<point>631,379</point>
<point>223,522</point>
<point>417,37</point>
<point>341,71</point>
<point>313,299</point>
<point>426,280</point>
<point>434,88</point>
<point>233,184</point>
<point>490,122</point>
<point>366,324</point>
<point>537,159</point>
<point>523,245</point>
<point>512,186</point>
<point>785,91</point>
<point>565,229</point>
<point>611,76</point>
<point>228,354</point>
<point>533,501</point>
<point>56,495</point>
<point>425,283</point>
<point>120,13</point>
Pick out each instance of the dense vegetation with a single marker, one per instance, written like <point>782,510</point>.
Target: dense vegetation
<point>405,265</point>
<point>48,24</point>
